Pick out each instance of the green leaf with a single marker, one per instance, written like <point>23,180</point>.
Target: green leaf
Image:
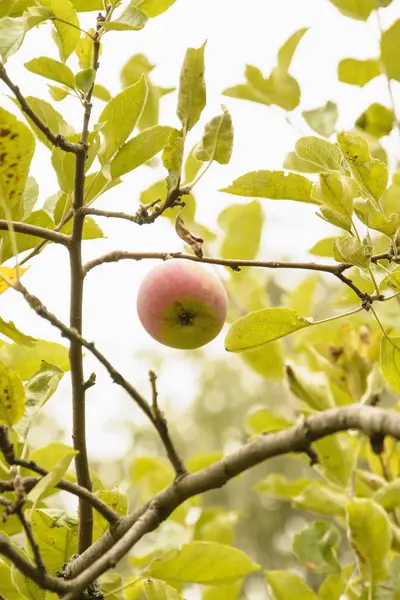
<point>245,91</point>
<point>132,19</point>
<point>376,120</point>
<point>321,499</point>
<point>139,149</point>
<point>38,389</point>
<point>31,194</point>
<point>25,242</point>
<point>120,116</point>
<point>322,119</point>
<point>336,191</point>
<point>56,534</point>
<point>64,166</point>
<point>117,501</point>
<point>371,174</point>
<point>355,9</point>
<point>266,362</point>
<point>216,525</point>
<point>136,66</point>
<point>278,486</point>
<point>390,361</point>
<point>331,216</point>
<point>17,146</point>
<point>52,478</point>
<point>217,141</point>
<point>223,592</point>
<point>25,586</point>
<point>85,79</point>
<point>91,230</point>
<point>202,562</point>
<point>100,92</point>
<point>12,396</point>
<point>333,586</point>
<point>301,298</point>
<point>371,537</point>
<point>349,250</point>
<point>67,28</point>
<point>286,52</point>
<point>151,474</point>
<point>153,8</point>
<point>8,329</point>
<point>52,69</point>
<point>316,546</point>
<point>325,155</point>
<point>388,496</point>
<point>265,421</point>
<point>12,33</point>
<point>369,214</point>
<point>275,185</point>
<point>279,88</point>
<point>7,585</point>
<point>293,162</point>
<point>242,224</point>
<point>50,117</point>
<point>84,50</point>
<point>172,158</point>
<point>358,72</point>
<point>192,88</point>
<point>323,248</point>
<point>26,361</point>
<point>336,458</point>
<point>154,589</point>
<point>312,391</point>
<point>390,52</point>
<point>287,586</point>
<point>261,327</point>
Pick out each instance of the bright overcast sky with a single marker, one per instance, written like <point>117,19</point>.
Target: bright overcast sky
<point>238,33</point>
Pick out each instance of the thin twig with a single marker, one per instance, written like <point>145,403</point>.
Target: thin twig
<point>57,140</point>
<point>87,210</point>
<point>161,425</point>
<point>41,232</point>
<point>32,542</point>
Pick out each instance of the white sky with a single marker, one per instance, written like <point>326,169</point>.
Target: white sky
<point>238,33</point>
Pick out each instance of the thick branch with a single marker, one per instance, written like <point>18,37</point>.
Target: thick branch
<point>57,140</point>
<point>106,552</point>
<point>41,232</point>
<point>46,582</point>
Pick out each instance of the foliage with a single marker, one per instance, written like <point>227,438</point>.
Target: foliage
<point>327,348</point>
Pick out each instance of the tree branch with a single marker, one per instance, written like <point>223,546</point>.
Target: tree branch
<point>41,232</point>
<point>161,425</point>
<point>76,307</point>
<point>46,582</point>
<point>88,210</point>
<point>32,542</point>
<point>106,552</point>
<point>57,140</point>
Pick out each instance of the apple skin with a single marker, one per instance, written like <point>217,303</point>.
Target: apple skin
<point>182,305</point>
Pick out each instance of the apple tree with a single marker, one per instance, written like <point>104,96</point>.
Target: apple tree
<point>336,373</point>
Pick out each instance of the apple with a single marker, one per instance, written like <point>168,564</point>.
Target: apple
<point>181,304</point>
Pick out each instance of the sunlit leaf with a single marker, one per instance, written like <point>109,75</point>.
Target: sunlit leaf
<point>311,389</point>
<point>350,250</point>
<point>322,119</point>
<point>52,69</point>
<point>172,158</point>
<point>192,88</point>
<point>242,224</point>
<point>278,486</point>
<point>12,33</point>
<point>119,117</point>
<point>261,327</point>
<point>50,117</point>
<point>202,562</point>
<point>275,185</point>
<point>66,25</point>
<point>336,191</point>
<point>153,8</point>
<point>155,589</point>
<point>370,173</point>
<point>12,396</point>
<point>377,120</point>
<point>286,52</point>
<point>52,478</point>
<point>265,421</point>
<point>266,362</point>
<point>117,501</point>
<point>56,534</point>
<point>26,361</point>
<point>390,52</point>
<point>325,155</point>
<point>217,141</point>
<point>131,19</point>
<point>390,361</point>
<point>354,8</point>
<point>286,586</point>
<point>358,72</point>
<point>139,149</point>
<point>371,537</point>
<point>333,586</point>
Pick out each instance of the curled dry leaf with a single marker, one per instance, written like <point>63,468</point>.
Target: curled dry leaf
<point>196,243</point>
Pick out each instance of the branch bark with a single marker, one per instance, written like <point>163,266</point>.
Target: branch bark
<point>57,140</point>
<point>41,232</point>
<point>106,552</point>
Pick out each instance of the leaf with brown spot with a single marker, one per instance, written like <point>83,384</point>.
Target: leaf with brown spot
<point>12,396</point>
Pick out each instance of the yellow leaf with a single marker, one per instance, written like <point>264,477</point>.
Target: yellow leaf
<point>12,396</point>
<point>9,274</point>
